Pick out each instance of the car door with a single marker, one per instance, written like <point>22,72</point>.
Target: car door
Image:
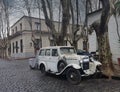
<point>54,60</point>
<point>47,58</point>
<point>41,56</point>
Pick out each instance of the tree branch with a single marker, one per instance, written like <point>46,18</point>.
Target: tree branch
<point>48,21</point>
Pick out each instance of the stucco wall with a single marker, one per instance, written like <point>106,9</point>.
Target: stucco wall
<point>92,37</point>
<point>28,49</point>
<point>113,37</point>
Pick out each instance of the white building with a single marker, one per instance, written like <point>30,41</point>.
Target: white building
<point>21,45</point>
<point>113,36</point>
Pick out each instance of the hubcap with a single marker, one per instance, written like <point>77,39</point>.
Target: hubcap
<point>71,76</point>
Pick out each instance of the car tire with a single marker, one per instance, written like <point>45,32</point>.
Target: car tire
<point>42,69</point>
<point>73,76</point>
<point>61,65</point>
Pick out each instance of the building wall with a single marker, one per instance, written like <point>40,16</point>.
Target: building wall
<point>80,44</point>
<point>92,38</point>
<point>13,28</point>
<point>28,49</point>
<point>15,54</point>
<point>113,37</point>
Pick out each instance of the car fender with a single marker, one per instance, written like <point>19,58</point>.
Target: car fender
<point>32,62</point>
<point>42,62</point>
<point>76,66</point>
<point>97,63</point>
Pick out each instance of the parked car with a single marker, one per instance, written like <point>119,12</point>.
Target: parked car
<point>82,52</point>
<point>63,60</point>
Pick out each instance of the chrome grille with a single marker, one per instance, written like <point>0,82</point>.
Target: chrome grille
<point>85,63</point>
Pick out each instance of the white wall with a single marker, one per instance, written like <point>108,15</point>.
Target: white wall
<point>92,38</point>
<point>113,37</point>
<point>92,42</point>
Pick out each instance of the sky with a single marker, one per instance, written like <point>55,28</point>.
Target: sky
<point>18,11</point>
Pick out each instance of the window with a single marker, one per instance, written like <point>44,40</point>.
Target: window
<point>52,43</point>
<point>13,46</point>
<point>42,52</point>
<point>16,29</point>
<point>37,24</point>
<point>47,53</point>
<point>21,45</point>
<point>37,44</point>
<point>9,49</point>
<point>13,31</point>
<point>54,52</point>
<point>16,47</point>
<point>20,26</point>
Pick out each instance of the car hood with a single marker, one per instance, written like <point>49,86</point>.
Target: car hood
<point>74,56</point>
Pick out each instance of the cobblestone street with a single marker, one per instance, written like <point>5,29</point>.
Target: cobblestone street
<point>15,76</point>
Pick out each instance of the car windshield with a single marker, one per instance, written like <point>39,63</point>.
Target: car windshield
<point>82,52</point>
<point>67,50</point>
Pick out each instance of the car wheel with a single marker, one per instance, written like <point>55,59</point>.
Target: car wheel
<point>42,69</point>
<point>61,65</point>
<point>73,76</point>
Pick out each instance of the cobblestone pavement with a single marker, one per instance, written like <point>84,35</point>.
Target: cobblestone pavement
<point>15,76</point>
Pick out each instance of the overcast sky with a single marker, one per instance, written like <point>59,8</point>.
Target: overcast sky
<point>17,12</point>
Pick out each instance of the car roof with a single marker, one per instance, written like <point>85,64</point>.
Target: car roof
<point>54,47</point>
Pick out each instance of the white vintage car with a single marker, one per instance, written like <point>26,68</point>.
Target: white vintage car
<point>60,60</point>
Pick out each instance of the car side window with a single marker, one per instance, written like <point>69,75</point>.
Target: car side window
<point>47,52</point>
<point>54,52</point>
<point>42,52</point>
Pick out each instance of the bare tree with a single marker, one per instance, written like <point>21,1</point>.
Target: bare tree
<point>39,8</point>
<point>5,26</point>
<point>29,7</point>
<point>57,36</point>
<point>76,24</point>
<point>101,29</point>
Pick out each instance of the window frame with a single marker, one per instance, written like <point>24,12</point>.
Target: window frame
<point>46,54</point>
<point>41,51</point>
<point>57,53</point>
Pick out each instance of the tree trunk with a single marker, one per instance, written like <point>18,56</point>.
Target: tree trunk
<point>74,43</point>
<point>101,29</point>
<point>105,55</point>
<point>60,41</point>
<point>57,36</point>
